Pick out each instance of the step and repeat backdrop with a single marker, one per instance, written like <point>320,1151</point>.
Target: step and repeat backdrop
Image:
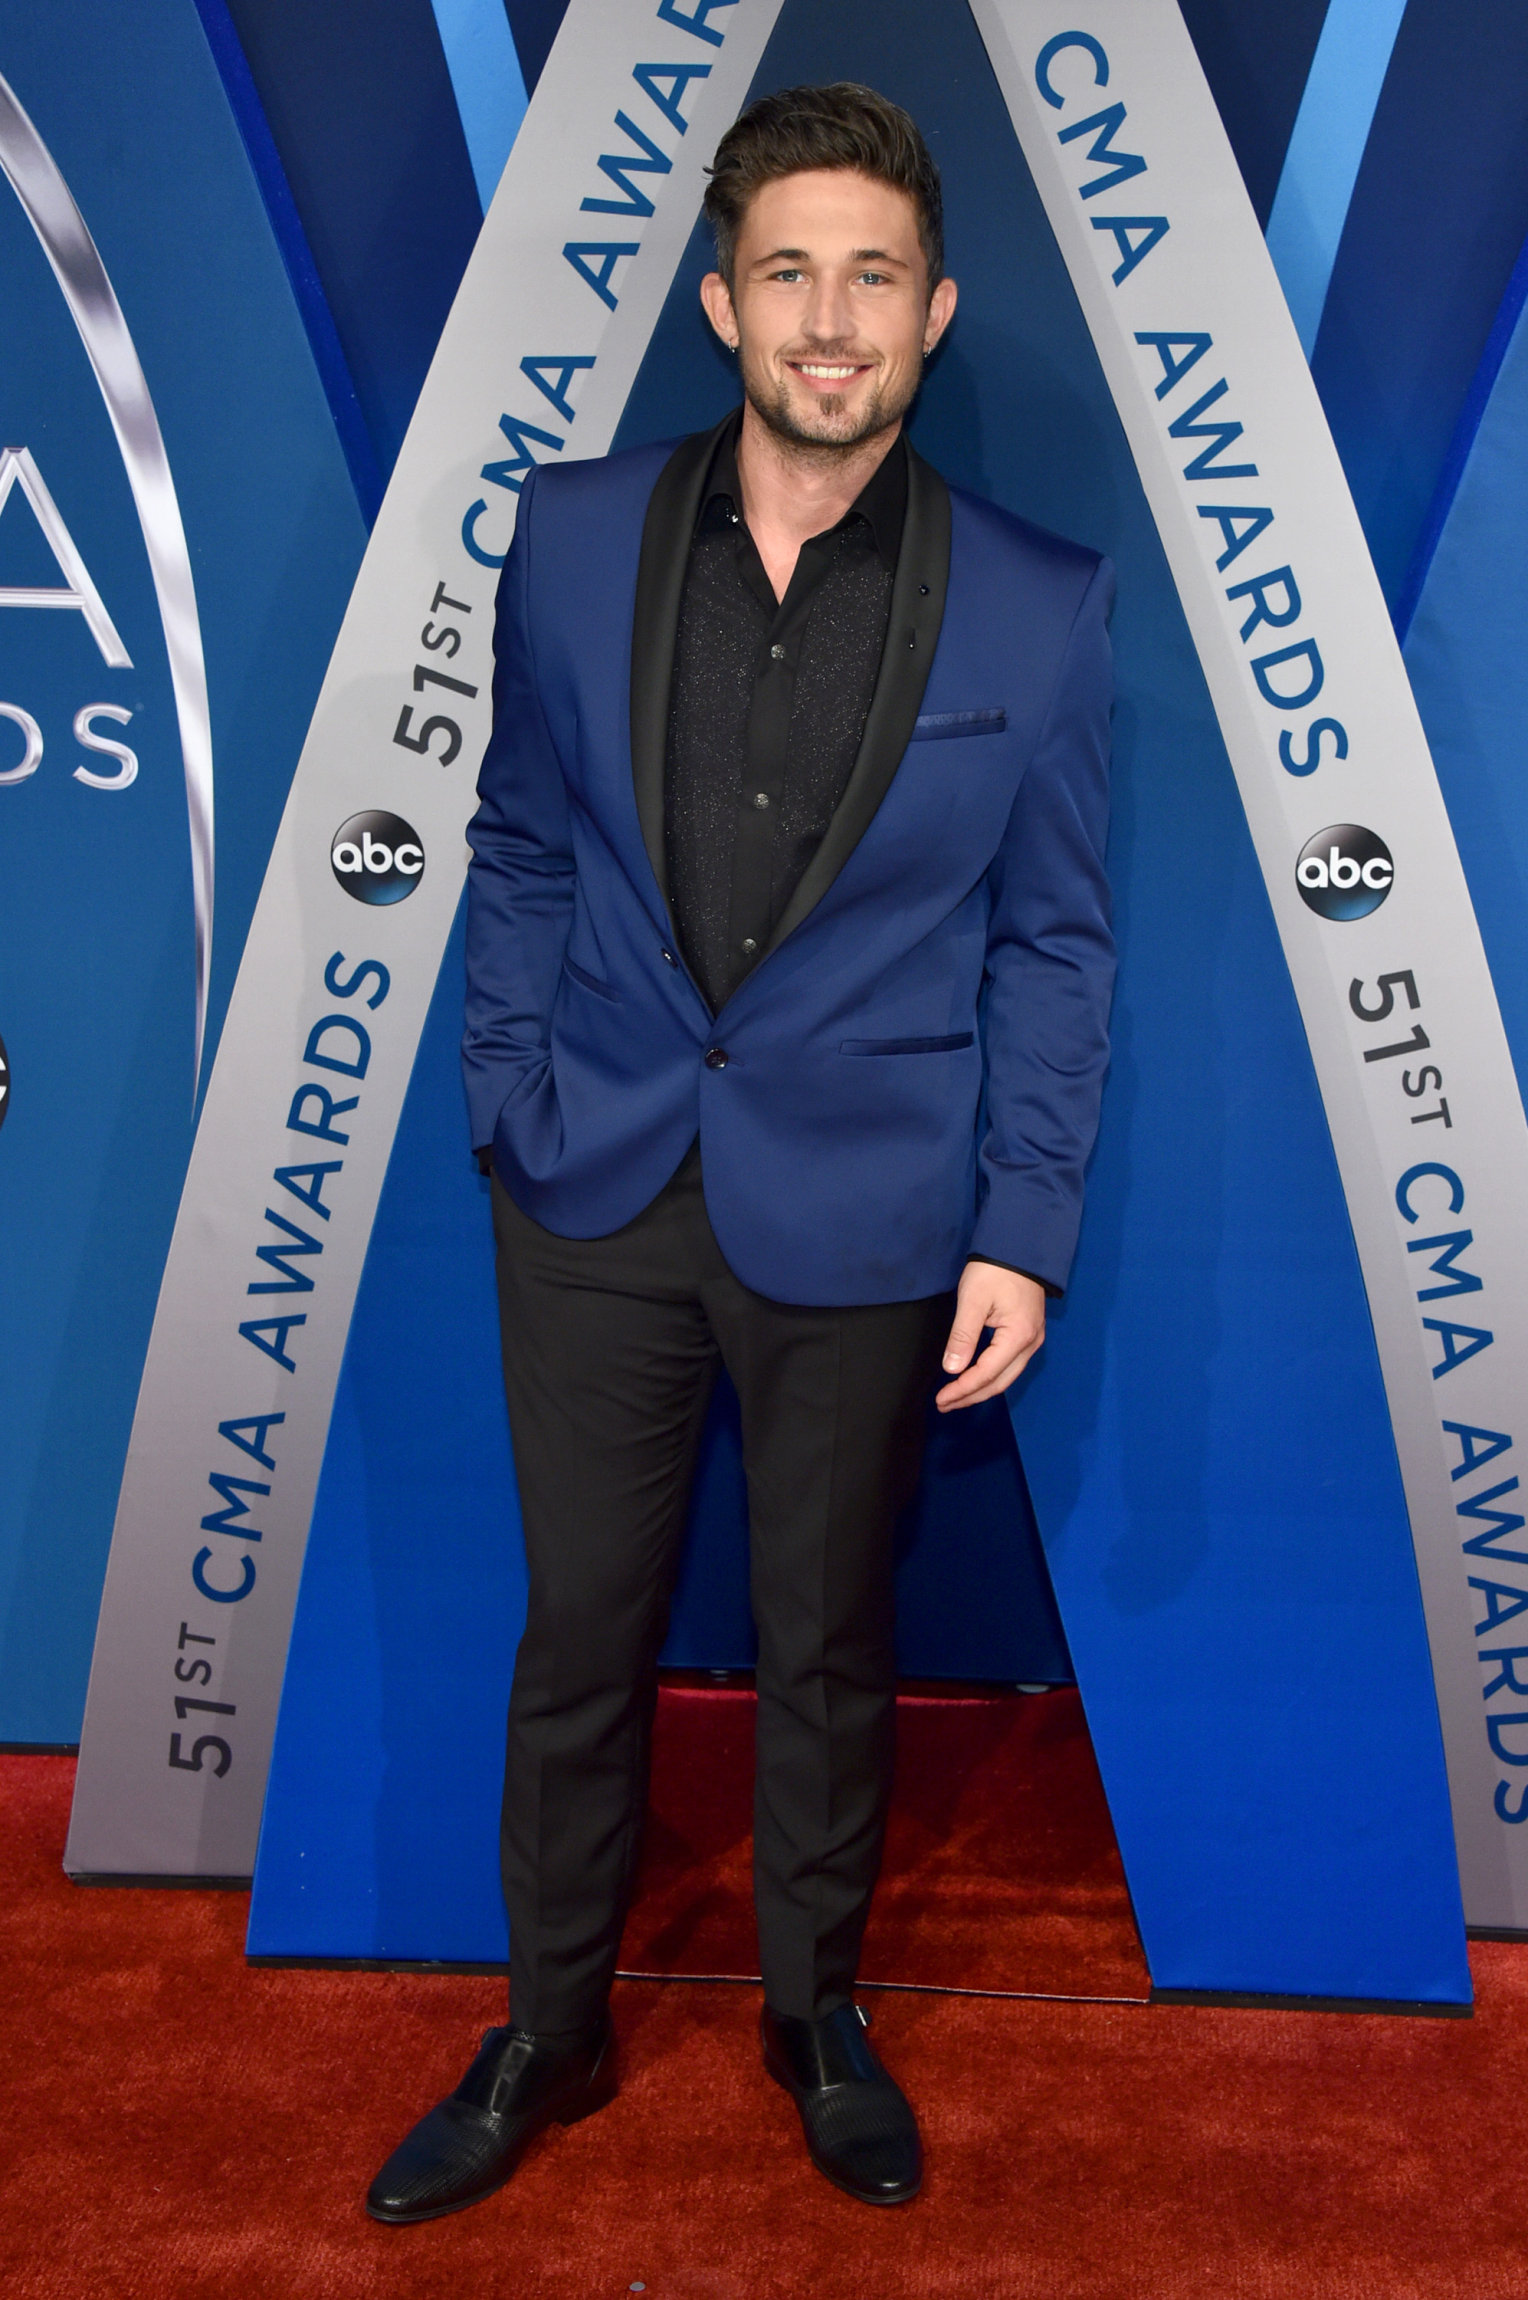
<point>294,313</point>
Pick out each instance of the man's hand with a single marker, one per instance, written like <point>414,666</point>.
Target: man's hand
<point>1014,1307</point>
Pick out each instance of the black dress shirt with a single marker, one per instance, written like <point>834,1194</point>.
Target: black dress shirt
<point>767,707</point>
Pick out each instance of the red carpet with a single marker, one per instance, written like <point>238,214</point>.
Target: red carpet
<point>178,2126</point>
<point>1000,1872</point>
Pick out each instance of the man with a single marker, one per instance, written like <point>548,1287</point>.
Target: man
<point>788,971</point>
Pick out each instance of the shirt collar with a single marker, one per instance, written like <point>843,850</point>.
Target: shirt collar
<point>881,502</point>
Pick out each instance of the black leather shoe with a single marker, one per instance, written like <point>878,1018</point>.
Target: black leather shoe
<point>468,2146</point>
<point>859,2125</point>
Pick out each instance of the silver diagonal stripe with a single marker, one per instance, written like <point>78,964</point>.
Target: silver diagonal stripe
<point>77,266</point>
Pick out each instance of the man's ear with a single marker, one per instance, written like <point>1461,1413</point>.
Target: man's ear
<point>941,310</point>
<point>716,302</point>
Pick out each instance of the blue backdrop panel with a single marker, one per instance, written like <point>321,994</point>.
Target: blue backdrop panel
<point>381,1839</point>
<point>1438,214</point>
<point>1470,672</point>
<point>95,923</point>
<point>360,107</point>
<point>1208,1441</point>
<point>535,24</point>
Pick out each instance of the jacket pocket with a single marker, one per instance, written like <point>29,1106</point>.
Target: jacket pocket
<point>934,724</point>
<point>951,1045</point>
<point>591,981</point>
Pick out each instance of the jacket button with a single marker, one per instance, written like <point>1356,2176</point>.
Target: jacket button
<point>668,958</point>
<point>716,1058</point>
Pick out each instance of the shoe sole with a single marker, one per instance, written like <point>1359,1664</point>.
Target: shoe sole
<point>597,2094</point>
<point>860,2195</point>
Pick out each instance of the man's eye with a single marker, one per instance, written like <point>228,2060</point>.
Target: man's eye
<point>872,279</point>
<point>790,274</point>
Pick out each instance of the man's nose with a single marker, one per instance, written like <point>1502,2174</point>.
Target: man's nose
<point>828,318</point>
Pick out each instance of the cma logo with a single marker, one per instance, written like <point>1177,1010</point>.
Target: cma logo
<point>79,593</point>
<point>377,857</point>
<point>1344,872</point>
<point>75,262</point>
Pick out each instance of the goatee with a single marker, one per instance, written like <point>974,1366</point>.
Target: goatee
<point>771,402</point>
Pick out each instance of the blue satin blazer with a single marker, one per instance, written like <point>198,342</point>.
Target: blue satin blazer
<point>911,1073</point>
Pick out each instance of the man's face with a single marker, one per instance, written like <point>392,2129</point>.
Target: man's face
<point>829,308</point>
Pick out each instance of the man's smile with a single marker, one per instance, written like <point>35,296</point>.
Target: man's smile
<point>826,375</point>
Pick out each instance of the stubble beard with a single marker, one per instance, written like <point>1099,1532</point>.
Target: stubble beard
<point>771,402</point>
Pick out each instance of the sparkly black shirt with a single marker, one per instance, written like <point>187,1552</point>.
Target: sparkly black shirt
<point>766,709</point>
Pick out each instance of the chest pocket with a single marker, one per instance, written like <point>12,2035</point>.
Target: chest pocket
<point>934,724</point>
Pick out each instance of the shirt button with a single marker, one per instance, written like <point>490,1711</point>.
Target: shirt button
<point>761,799</point>
<point>778,652</point>
<point>668,958</point>
<point>716,1058</point>
<point>749,945</point>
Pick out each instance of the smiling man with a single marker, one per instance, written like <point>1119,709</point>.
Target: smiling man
<point>788,975</point>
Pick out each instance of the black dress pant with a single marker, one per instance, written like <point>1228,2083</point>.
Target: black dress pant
<point>611,1347</point>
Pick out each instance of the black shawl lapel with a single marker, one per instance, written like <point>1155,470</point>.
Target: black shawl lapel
<point>912,633</point>
<point>671,515</point>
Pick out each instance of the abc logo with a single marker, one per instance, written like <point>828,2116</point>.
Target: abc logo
<point>1344,871</point>
<point>377,858</point>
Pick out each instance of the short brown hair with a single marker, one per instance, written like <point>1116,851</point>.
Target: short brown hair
<point>843,126</point>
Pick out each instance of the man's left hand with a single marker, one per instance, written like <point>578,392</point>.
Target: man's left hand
<point>1014,1307</point>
